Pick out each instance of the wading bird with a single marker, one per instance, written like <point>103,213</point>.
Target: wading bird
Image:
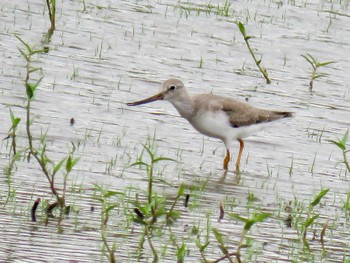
<point>215,116</point>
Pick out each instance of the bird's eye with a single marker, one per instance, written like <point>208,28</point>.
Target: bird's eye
<point>172,88</point>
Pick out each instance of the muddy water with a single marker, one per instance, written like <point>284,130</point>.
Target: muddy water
<point>106,53</point>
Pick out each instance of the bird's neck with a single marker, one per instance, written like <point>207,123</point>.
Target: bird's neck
<point>184,105</point>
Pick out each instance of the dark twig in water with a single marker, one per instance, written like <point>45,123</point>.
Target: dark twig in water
<point>187,199</point>
<point>50,208</point>
<point>222,211</point>
<point>33,211</point>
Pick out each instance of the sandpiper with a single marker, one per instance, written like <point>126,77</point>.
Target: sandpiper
<point>216,116</point>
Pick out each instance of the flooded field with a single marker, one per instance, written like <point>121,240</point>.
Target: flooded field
<point>140,183</point>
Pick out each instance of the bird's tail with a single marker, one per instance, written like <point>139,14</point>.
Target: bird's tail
<point>282,114</point>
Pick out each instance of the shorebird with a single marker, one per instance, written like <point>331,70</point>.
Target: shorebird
<point>216,116</point>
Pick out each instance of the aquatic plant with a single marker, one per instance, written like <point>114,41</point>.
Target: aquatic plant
<point>249,222</point>
<point>107,206</point>
<point>39,152</point>
<point>223,246</point>
<point>346,207</point>
<point>257,61</point>
<point>315,64</point>
<point>149,215</point>
<point>341,143</point>
<point>12,132</point>
<point>150,168</point>
<point>311,216</point>
<point>13,154</point>
<point>51,6</point>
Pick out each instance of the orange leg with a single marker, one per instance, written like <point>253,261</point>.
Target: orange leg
<point>241,146</point>
<point>227,159</point>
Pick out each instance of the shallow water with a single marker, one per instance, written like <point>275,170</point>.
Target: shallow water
<point>104,54</point>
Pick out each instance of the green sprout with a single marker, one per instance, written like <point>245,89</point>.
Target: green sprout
<point>257,61</point>
<point>315,64</point>
<point>311,216</point>
<point>342,146</point>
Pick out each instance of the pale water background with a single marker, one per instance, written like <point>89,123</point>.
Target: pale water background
<point>106,53</point>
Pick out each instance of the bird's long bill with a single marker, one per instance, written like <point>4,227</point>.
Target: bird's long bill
<point>158,96</point>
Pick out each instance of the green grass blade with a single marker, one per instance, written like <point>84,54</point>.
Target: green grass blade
<point>319,75</point>
<point>163,159</point>
<point>322,64</point>
<point>30,90</point>
<point>345,138</point>
<point>58,166</point>
<point>109,208</point>
<point>238,217</point>
<point>260,217</point>
<point>148,151</point>
<point>241,28</point>
<point>320,195</point>
<point>310,221</point>
<point>314,61</point>
<point>256,218</point>
<point>310,61</point>
<point>139,163</point>
<point>14,120</point>
<point>218,236</point>
<point>25,44</point>
<point>339,144</point>
<point>24,54</point>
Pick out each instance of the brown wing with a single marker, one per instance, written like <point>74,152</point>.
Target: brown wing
<point>242,114</point>
<point>239,113</point>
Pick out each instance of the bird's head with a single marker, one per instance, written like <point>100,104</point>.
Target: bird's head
<point>172,90</point>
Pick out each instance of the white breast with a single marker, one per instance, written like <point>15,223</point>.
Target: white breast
<point>216,124</point>
<point>213,124</point>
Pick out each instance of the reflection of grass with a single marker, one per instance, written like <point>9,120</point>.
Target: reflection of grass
<point>257,61</point>
<point>315,64</point>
